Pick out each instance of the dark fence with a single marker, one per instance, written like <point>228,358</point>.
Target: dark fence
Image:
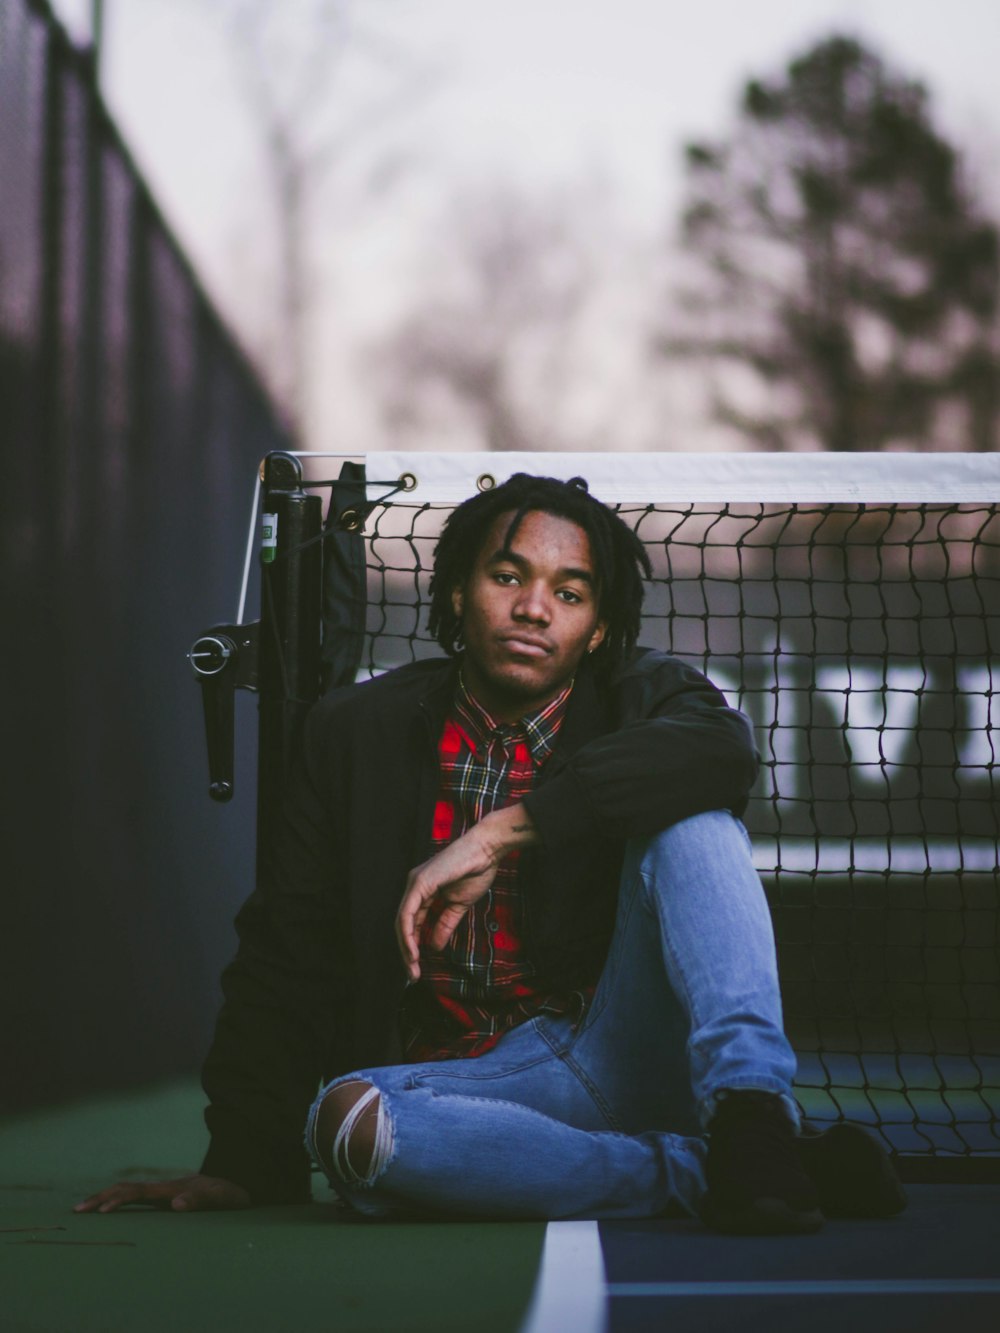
<point>131,428</point>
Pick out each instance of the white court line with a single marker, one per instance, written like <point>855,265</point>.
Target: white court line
<point>570,1292</point>
<point>831,1287</point>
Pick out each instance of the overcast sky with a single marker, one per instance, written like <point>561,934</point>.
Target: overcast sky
<point>535,91</point>
<point>543,87</point>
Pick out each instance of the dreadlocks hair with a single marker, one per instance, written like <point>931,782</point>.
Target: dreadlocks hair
<point>619,558</point>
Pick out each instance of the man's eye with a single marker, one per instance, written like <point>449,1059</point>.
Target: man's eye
<point>505,577</point>
<point>568,595</point>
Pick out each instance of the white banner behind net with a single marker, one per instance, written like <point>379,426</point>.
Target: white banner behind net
<point>620,478</point>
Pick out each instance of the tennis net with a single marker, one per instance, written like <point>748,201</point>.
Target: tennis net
<point>851,607</point>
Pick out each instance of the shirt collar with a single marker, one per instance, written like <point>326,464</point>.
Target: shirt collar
<point>540,728</point>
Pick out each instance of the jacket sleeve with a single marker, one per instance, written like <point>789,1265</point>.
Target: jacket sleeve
<point>678,750</point>
<point>283,995</point>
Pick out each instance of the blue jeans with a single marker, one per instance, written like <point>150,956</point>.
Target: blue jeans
<point>604,1120</point>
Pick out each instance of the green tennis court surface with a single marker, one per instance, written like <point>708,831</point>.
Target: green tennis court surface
<point>312,1267</point>
<point>266,1268</point>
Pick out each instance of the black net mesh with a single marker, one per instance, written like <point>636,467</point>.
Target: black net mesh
<point>861,640</point>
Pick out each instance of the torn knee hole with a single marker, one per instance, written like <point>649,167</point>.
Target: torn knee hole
<point>352,1132</point>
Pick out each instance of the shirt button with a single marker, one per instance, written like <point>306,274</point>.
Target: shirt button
<point>493,926</point>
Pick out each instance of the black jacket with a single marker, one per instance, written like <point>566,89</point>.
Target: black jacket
<point>317,981</point>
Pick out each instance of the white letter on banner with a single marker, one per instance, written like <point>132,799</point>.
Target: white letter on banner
<point>978,747</point>
<point>880,710</point>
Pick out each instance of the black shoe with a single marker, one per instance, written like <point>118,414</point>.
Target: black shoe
<point>853,1174</point>
<point>756,1182</point>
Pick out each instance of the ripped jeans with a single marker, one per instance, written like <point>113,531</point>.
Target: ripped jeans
<point>605,1120</point>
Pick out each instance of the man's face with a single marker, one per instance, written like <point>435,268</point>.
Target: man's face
<point>529,613</point>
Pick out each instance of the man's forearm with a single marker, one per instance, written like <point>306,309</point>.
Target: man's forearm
<point>508,830</point>
<point>458,875</point>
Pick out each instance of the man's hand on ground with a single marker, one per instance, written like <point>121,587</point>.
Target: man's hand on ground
<point>188,1194</point>
<point>456,878</point>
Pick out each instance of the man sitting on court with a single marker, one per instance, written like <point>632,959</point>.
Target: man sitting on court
<point>570,1007</point>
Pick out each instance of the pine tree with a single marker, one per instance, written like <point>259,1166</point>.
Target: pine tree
<point>840,275</point>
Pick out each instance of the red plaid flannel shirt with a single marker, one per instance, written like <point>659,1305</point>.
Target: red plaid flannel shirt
<point>483,983</point>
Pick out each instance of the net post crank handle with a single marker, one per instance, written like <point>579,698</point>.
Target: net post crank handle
<point>224,659</point>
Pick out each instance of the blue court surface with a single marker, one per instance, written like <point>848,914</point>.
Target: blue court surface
<point>934,1267</point>
<point>937,1266</point>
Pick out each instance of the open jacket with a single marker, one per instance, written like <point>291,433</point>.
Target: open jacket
<point>316,984</point>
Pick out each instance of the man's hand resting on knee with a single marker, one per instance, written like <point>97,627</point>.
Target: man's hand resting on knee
<point>188,1194</point>
<point>455,878</point>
